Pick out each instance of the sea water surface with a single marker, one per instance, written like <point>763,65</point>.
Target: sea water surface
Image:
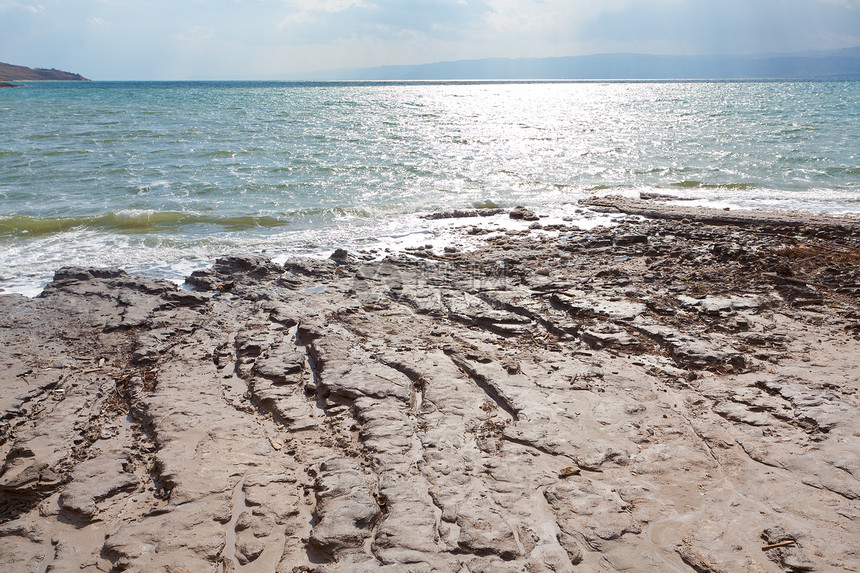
<point>160,178</point>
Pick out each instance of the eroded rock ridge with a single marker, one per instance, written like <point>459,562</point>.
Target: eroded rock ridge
<point>663,396</point>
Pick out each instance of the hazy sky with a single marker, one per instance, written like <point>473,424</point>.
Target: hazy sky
<point>262,39</point>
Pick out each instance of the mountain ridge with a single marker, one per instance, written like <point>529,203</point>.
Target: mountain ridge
<point>835,64</point>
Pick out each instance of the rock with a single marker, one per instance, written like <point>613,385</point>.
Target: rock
<point>722,306</point>
<point>280,364</point>
<point>188,298</point>
<point>609,337</point>
<point>95,480</point>
<point>228,271</point>
<point>521,213</point>
<point>589,402</point>
<point>483,532</point>
<point>81,274</point>
<point>790,557</point>
<point>339,255</point>
<point>690,351</point>
<point>346,507</point>
<point>461,213</point>
<point>800,295</point>
<point>585,305</point>
<point>24,477</point>
<point>631,240</point>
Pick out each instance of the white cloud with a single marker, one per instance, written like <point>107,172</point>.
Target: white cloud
<point>9,5</point>
<point>255,38</point>
<point>197,34</point>
<point>518,16</point>
<point>331,6</point>
<point>304,12</point>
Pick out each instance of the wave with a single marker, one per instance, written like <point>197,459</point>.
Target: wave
<point>693,184</point>
<point>834,171</point>
<point>688,184</point>
<point>222,153</point>
<point>129,222</point>
<point>485,204</point>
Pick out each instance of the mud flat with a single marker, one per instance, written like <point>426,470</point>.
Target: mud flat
<point>675,393</point>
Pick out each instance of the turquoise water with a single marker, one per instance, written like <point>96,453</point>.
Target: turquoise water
<point>161,177</point>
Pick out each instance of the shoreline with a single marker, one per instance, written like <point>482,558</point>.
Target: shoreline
<point>380,237</point>
<point>383,238</point>
<point>670,393</point>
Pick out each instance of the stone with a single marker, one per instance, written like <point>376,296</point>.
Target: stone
<point>592,401</point>
<point>346,507</point>
<point>339,255</point>
<point>95,480</point>
<point>523,214</point>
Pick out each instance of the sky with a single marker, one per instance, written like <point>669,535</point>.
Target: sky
<point>272,39</point>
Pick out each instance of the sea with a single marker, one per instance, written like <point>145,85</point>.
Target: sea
<point>160,178</point>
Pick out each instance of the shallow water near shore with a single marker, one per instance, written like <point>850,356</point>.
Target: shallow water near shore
<point>159,178</point>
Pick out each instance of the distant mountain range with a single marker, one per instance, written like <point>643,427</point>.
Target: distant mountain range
<point>827,65</point>
<point>830,65</point>
<point>11,73</point>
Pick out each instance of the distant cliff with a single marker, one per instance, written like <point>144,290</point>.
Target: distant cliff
<point>8,72</point>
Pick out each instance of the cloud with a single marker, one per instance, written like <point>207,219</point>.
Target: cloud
<point>9,5</point>
<point>111,39</point>
<point>517,16</point>
<point>197,35</point>
<point>302,11</point>
<point>331,6</point>
<point>335,21</point>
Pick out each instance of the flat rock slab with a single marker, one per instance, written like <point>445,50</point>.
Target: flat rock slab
<point>680,395</point>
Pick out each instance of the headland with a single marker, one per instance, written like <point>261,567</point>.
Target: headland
<point>11,73</point>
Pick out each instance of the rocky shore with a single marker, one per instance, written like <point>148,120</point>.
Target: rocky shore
<point>673,393</point>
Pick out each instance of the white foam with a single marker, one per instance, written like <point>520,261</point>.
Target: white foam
<point>28,264</point>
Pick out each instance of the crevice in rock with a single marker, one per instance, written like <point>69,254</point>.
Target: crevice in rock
<point>316,387</point>
<point>542,449</point>
<point>39,481</point>
<point>485,385</point>
<point>533,316</point>
<point>370,542</point>
<point>824,487</point>
<point>804,422</point>
<point>488,325</point>
<point>439,512</point>
<point>702,439</point>
<point>264,407</point>
<point>18,416</point>
<point>228,554</point>
<point>145,435</point>
<point>758,459</point>
<point>246,351</point>
<point>15,502</point>
<point>419,383</point>
<point>480,552</point>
